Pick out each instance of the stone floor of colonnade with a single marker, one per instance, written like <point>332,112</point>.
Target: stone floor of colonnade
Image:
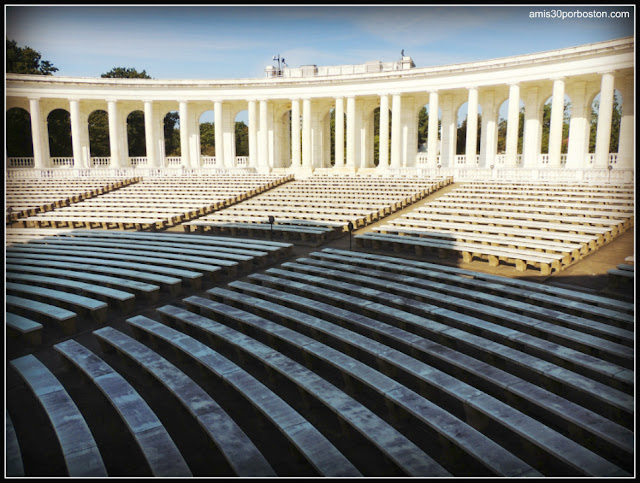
<point>555,446</point>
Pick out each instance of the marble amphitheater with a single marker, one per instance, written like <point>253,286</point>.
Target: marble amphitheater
<point>312,310</point>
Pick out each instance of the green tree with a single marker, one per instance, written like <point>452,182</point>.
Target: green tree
<point>171,134</point>
<point>461,136</point>
<point>242,139</point>
<point>99,134</point>
<point>18,126</point>
<point>125,73</point>
<point>25,60</point>
<point>59,129</point>
<point>207,139</point>
<point>546,127</point>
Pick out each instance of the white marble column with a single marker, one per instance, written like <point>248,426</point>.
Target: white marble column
<point>306,133</point>
<point>513,122</point>
<point>432,130</point>
<point>471,149</point>
<point>150,135</point>
<point>532,129</point>
<point>383,148</point>
<point>253,134</point>
<point>396,131</point>
<point>339,133</point>
<point>115,142</point>
<point>489,130</point>
<point>185,150</point>
<point>263,130</point>
<point>37,131</point>
<point>74,111</point>
<point>351,132</point>
<point>555,129</point>
<point>627,131</point>
<point>578,127</point>
<point>449,130</point>
<point>218,131</point>
<point>605,115</point>
<point>295,134</point>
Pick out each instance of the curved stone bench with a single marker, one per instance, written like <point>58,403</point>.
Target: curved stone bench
<point>169,257</point>
<point>159,450</point>
<point>155,265</point>
<point>574,305</point>
<point>51,313</point>
<point>29,330</point>
<point>600,339</point>
<point>547,449</point>
<point>601,398</point>
<point>391,444</point>
<point>311,444</point>
<point>463,443</point>
<point>78,303</point>
<point>81,454</point>
<point>13,457</point>
<point>99,266</point>
<point>239,451</point>
<point>584,426</point>
<point>533,287</point>
<point>149,291</point>
<point>123,300</point>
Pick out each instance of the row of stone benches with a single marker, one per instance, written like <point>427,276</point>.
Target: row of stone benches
<point>26,199</point>
<point>281,309</point>
<point>61,275</point>
<point>168,202</point>
<point>582,441</point>
<point>364,375</point>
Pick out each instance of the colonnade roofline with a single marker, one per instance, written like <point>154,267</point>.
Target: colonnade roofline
<point>581,60</point>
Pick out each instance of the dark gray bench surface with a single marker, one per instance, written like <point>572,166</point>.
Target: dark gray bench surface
<point>532,286</point>
<point>160,451</point>
<point>576,330</point>
<point>100,290</point>
<point>309,441</point>
<point>14,466</point>
<point>614,400</point>
<point>21,324</point>
<point>84,275</point>
<point>51,311</point>
<point>156,248</point>
<point>513,421</point>
<point>240,452</point>
<point>93,265</point>
<point>73,299</point>
<point>141,263</point>
<point>453,314</point>
<point>80,451</point>
<point>394,445</point>
<point>173,259</point>
<point>611,438</point>
<point>603,314</point>
<point>468,440</point>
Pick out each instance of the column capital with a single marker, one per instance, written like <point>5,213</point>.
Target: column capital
<point>433,91</point>
<point>34,98</point>
<point>605,72</point>
<point>147,100</point>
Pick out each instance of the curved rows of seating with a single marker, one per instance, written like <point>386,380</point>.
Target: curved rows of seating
<point>62,277</point>
<point>156,203</point>
<point>348,364</point>
<point>28,197</point>
<point>316,207</point>
<point>542,226</point>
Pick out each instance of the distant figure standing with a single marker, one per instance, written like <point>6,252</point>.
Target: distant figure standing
<point>402,53</point>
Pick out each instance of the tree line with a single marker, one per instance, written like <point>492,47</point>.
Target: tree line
<point>24,60</point>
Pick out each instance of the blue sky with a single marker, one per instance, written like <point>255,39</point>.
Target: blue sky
<point>217,42</point>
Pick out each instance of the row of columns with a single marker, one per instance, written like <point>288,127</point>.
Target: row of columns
<point>308,134</point>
